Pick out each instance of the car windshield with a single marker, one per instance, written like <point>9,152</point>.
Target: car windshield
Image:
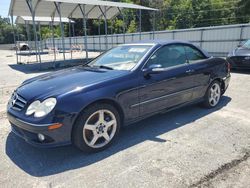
<point>246,44</point>
<point>121,58</point>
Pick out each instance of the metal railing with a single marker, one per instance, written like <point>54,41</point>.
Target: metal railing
<point>218,40</point>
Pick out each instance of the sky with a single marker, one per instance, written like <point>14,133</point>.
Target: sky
<point>4,8</point>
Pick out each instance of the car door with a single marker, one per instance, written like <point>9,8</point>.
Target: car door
<point>199,70</point>
<point>171,86</point>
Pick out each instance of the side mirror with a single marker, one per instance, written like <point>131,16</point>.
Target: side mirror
<point>239,45</point>
<point>153,69</point>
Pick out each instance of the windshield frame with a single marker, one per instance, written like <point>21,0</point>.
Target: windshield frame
<point>151,46</point>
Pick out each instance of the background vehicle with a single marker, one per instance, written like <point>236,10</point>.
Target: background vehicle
<point>239,58</point>
<point>22,46</point>
<point>86,105</point>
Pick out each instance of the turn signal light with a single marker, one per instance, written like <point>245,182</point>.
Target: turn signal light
<point>55,126</point>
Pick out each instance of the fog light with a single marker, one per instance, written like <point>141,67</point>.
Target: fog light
<point>41,137</point>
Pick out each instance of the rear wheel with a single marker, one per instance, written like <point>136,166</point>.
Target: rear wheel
<point>213,95</point>
<point>96,128</point>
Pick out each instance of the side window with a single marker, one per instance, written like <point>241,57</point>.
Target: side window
<point>168,56</point>
<point>193,54</point>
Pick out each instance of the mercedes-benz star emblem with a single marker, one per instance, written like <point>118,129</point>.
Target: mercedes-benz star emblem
<point>14,98</point>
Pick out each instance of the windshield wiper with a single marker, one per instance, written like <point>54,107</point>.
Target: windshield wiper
<point>105,67</point>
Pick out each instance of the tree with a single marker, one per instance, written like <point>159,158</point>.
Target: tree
<point>6,32</point>
<point>132,27</point>
<point>243,13</point>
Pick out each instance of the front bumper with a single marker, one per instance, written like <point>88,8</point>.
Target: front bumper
<point>239,62</point>
<point>226,81</point>
<point>29,132</point>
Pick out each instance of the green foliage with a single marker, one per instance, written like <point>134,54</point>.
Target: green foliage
<point>132,27</point>
<point>47,32</point>
<point>6,32</point>
<point>243,13</point>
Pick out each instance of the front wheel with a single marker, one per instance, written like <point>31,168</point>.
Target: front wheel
<point>96,128</point>
<point>213,95</point>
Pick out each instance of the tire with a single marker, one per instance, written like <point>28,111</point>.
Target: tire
<point>96,128</point>
<point>24,48</point>
<point>213,95</point>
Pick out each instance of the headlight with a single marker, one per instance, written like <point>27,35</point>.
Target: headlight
<point>40,109</point>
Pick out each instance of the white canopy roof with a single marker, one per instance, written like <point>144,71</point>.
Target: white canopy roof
<point>41,20</point>
<point>70,8</point>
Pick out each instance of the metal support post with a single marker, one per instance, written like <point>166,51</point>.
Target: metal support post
<point>140,22</point>
<point>30,5</point>
<point>83,10</point>
<point>73,31</point>
<point>154,24</point>
<point>123,25</point>
<point>58,8</point>
<point>112,40</point>
<point>105,25</point>
<point>201,42</point>
<point>99,33</point>
<point>241,33</point>
<point>106,28</point>
<point>14,36</point>
<point>70,35</point>
<point>40,36</point>
<point>53,39</point>
<point>28,35</point>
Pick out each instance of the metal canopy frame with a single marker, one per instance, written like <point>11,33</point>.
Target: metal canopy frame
<point>51,21</point>
<point>44,8</point>
<point>58,9</point>
<point>85,9</point>
<point>32,11</point>
<point>42,20</point>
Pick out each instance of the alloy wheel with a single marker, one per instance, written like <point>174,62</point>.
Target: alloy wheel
<point>215,94</point>
<point>99,128</point>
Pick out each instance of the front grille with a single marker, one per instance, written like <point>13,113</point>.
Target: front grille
<point>17,102</point>
<point>238,58</point>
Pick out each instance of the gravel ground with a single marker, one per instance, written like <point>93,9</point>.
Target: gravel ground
<point>189,147</point>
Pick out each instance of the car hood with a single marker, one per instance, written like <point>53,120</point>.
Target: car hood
<point>64,81</point>
<point>241,52</point>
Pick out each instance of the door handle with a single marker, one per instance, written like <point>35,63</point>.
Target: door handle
<point>190,71</point>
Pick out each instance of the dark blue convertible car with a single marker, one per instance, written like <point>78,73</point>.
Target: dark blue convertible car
<point>87,105</point>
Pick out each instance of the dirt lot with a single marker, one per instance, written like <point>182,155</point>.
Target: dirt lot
<point>190,147</point>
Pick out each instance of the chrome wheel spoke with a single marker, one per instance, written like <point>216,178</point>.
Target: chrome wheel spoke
<point>110,123</point>
<point>93,141</point>
<point>106,136</point>
<point>211,99</point>
<point>90,127</point>
<point>101,116</point>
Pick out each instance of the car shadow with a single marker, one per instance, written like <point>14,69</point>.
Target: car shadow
<point>44,162</point>
<point>46,66</point>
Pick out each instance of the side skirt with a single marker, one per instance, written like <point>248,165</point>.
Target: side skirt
<point>196,101</point>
